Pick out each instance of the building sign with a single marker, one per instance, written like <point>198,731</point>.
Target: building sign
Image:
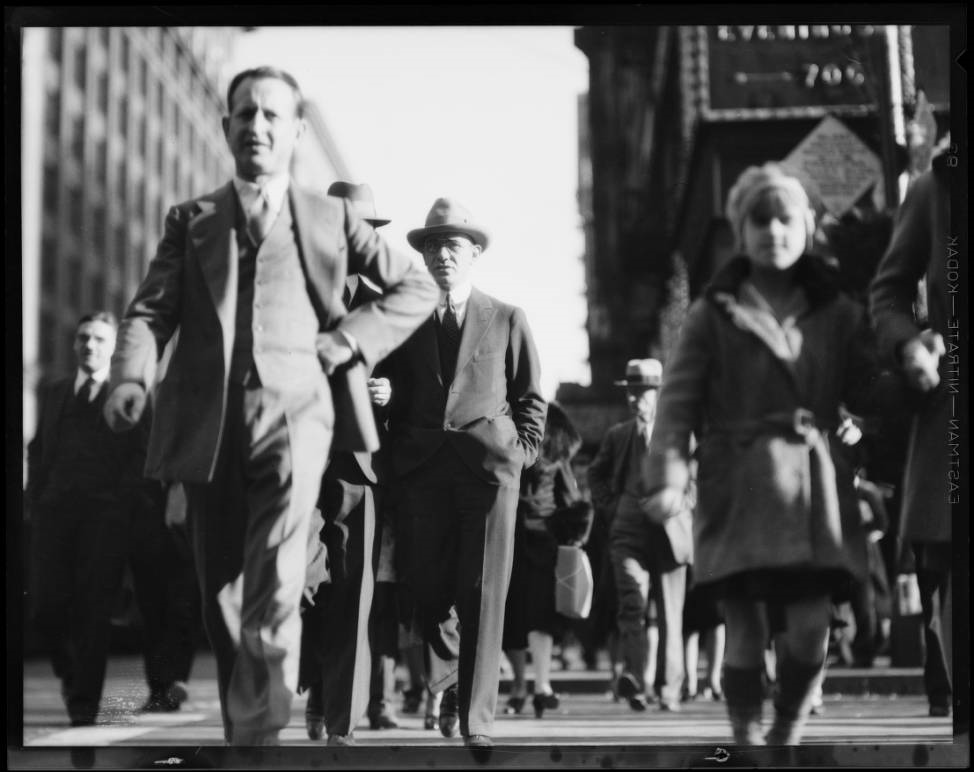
<point>835,166</point>
<point>786,70</point>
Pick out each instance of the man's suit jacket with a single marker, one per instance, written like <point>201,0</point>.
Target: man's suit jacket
<point>492,414</point>
<point>124,454</point>
<point>192,284</point>
<point>607,482</point>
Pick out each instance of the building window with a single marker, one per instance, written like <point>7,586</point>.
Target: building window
<point>121,244</point>
<point>78,138</point>
<point>121,181</point>
<point>102,92</point>
<point>161,156</point>
<point>123,115</point>
<point>105,36</point>
<point>124,48</point>
<point>143,143</point>
<point>48,338</point>
<point>50,194</point>
<point>74,287</point>
<point>52,114</point>
<point>76,211</point>
<point>56,47</point>
<point>80,64</point>
<point>118,303</point>
<point>96,290</point>
<point>101,163</point>
<point>99,232</point>
<point>49,261</point>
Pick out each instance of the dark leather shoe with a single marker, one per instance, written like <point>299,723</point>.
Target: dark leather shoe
<point>478,741</point>
<point>315,726</point>
<point>514,706</point>
<point>412,699</point>
<point>340,739</point>
<point>159,703</point>
<point>450,713</point>
<point>638,702</point>
<point>382,721</point>
<point>82,721</point>
<point>939,711</point>
<point>628,688</point>
<point>542,702</point>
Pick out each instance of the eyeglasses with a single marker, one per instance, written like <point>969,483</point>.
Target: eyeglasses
<point>454,246</point>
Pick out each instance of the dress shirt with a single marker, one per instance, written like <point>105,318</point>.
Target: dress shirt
<point>275,189</point>
<point>459,295</point>
<point>99,377</point>
<point>645,429</point>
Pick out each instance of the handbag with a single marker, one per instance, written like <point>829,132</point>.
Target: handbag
<point>573,583</point>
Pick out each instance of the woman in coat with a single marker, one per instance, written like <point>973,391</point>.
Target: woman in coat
<point>550,512</point>
<point>765,359</point>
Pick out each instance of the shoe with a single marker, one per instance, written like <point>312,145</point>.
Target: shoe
<point>315,726</point>
<point>449,720</point>
<point>514,705</point>
<point>939,711</point>
<point>628,688</point>
<point>688,697</point>
<point>709,693</point>
<point>177,693</point>
<point>817,709</point>
<point>412,699</point>
<point>159,703</point>
<point>382,720</point>
<point>87,721</point>
<point>478,741</point>
<point>670,706</point>
<point>340,739</point>
<point>545,701</point>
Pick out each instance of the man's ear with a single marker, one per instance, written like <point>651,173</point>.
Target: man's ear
<point>225,122</point>
<point>477,249</point>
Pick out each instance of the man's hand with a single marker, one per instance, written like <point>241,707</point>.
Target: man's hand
<point>664,504</point>
<point>124,406</point>
<point>333,350</point>
<point>175,505</point>
<point>921,356</point>
<point>380,391</point>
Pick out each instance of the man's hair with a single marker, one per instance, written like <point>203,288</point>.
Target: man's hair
<point>99,316</point>
<point>266,72</point>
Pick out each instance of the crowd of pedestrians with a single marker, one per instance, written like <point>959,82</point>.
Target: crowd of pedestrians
<point>337,456</point>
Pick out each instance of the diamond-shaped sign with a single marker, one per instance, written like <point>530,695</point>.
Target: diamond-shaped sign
<point>834,165</point>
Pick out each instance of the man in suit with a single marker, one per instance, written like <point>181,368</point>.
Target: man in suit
<point>82,484</point>
<point>648,559</point>
<point>252,274</point>
<point>336,656</point>
<point>466,416</point>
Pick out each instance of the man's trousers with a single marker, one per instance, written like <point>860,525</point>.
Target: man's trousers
<point>250,533</point>
<point>460,553</point>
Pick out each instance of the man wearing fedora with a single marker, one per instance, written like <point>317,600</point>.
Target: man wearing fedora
<point>466,416</point>
<point>648,558</point>
<point>268,375</point>
<point>336,655</point>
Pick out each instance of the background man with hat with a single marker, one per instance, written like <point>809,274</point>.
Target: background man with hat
<point>648,559</point>
<point>268,368</point>
<point>337,657</point>
<point>466,416</point>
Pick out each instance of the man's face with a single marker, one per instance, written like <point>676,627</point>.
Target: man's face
<point>94,343</point>
<point>449,258</point>
<point>263,127</point>
<point>642,402</point>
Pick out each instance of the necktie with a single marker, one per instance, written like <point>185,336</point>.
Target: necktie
<point>84,393</point>
<point>260,219</point>
<point>451,328</point>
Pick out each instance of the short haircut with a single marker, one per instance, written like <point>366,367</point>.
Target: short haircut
<point>99,316</point>
<point>266,72</point>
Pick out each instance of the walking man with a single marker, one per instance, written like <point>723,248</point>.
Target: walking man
<point>252,274</point>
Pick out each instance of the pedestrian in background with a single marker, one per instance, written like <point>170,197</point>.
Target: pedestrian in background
<point>550,512</point>
<point>466,416</point>
<point>649,563</point>
<point>337,660</point>
<point>765,359</point>
<point>84,486</point>
<point>252,274</point>
<point>922,247</point>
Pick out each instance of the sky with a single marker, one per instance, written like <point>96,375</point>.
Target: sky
<point>487,115</point>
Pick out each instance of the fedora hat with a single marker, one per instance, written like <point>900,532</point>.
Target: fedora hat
<point>643,372</point>
<point>361,198</point>
<point>448,216</point>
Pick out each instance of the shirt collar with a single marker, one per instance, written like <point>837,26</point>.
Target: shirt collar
<point>99,377</point>
<point>459,294</point>
<point>276,188</point>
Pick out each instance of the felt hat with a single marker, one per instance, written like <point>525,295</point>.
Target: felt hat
<point>448,216</point>
<point>647,373</point>
<point>361,198</point>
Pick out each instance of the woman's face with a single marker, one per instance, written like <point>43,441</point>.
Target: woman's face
<point>775,231</point>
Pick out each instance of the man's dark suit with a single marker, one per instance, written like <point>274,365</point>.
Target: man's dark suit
<point>648,560</point>
<point>457,449</point>
<point>83,484</point>
<point>252,451</point>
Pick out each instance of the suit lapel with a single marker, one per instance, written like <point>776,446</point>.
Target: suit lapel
<point>213,240</point>
<point>480,313</point>
<point>628,438</point>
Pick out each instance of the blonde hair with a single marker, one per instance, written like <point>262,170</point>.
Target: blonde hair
<point>757,180</point>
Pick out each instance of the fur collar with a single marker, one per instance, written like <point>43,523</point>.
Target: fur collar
<point>819,280</point>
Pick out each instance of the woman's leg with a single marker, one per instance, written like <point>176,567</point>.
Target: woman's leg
<point>518,659</point>
<point>747,637</point>
<point>715,658</point>
<point>800,659</point>
<point>541,645</point>
<point>691,644</point>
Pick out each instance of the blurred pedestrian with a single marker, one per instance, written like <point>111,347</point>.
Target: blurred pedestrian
<point>465,417</point>
<point>252,275</point>
<point>925,351</point>
<point>649,559</point>
<point>337,659</point>
<point>550,512</point>
<point>765,359</point>
<point>84,484</point>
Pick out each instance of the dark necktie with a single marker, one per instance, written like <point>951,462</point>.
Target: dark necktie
<point>84,393</point>
<point>260,220</point>
<point>451,328</point>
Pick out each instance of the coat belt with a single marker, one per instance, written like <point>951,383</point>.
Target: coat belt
<point>800,422</point>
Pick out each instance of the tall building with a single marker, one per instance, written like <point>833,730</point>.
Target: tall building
<point>118,124</point>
